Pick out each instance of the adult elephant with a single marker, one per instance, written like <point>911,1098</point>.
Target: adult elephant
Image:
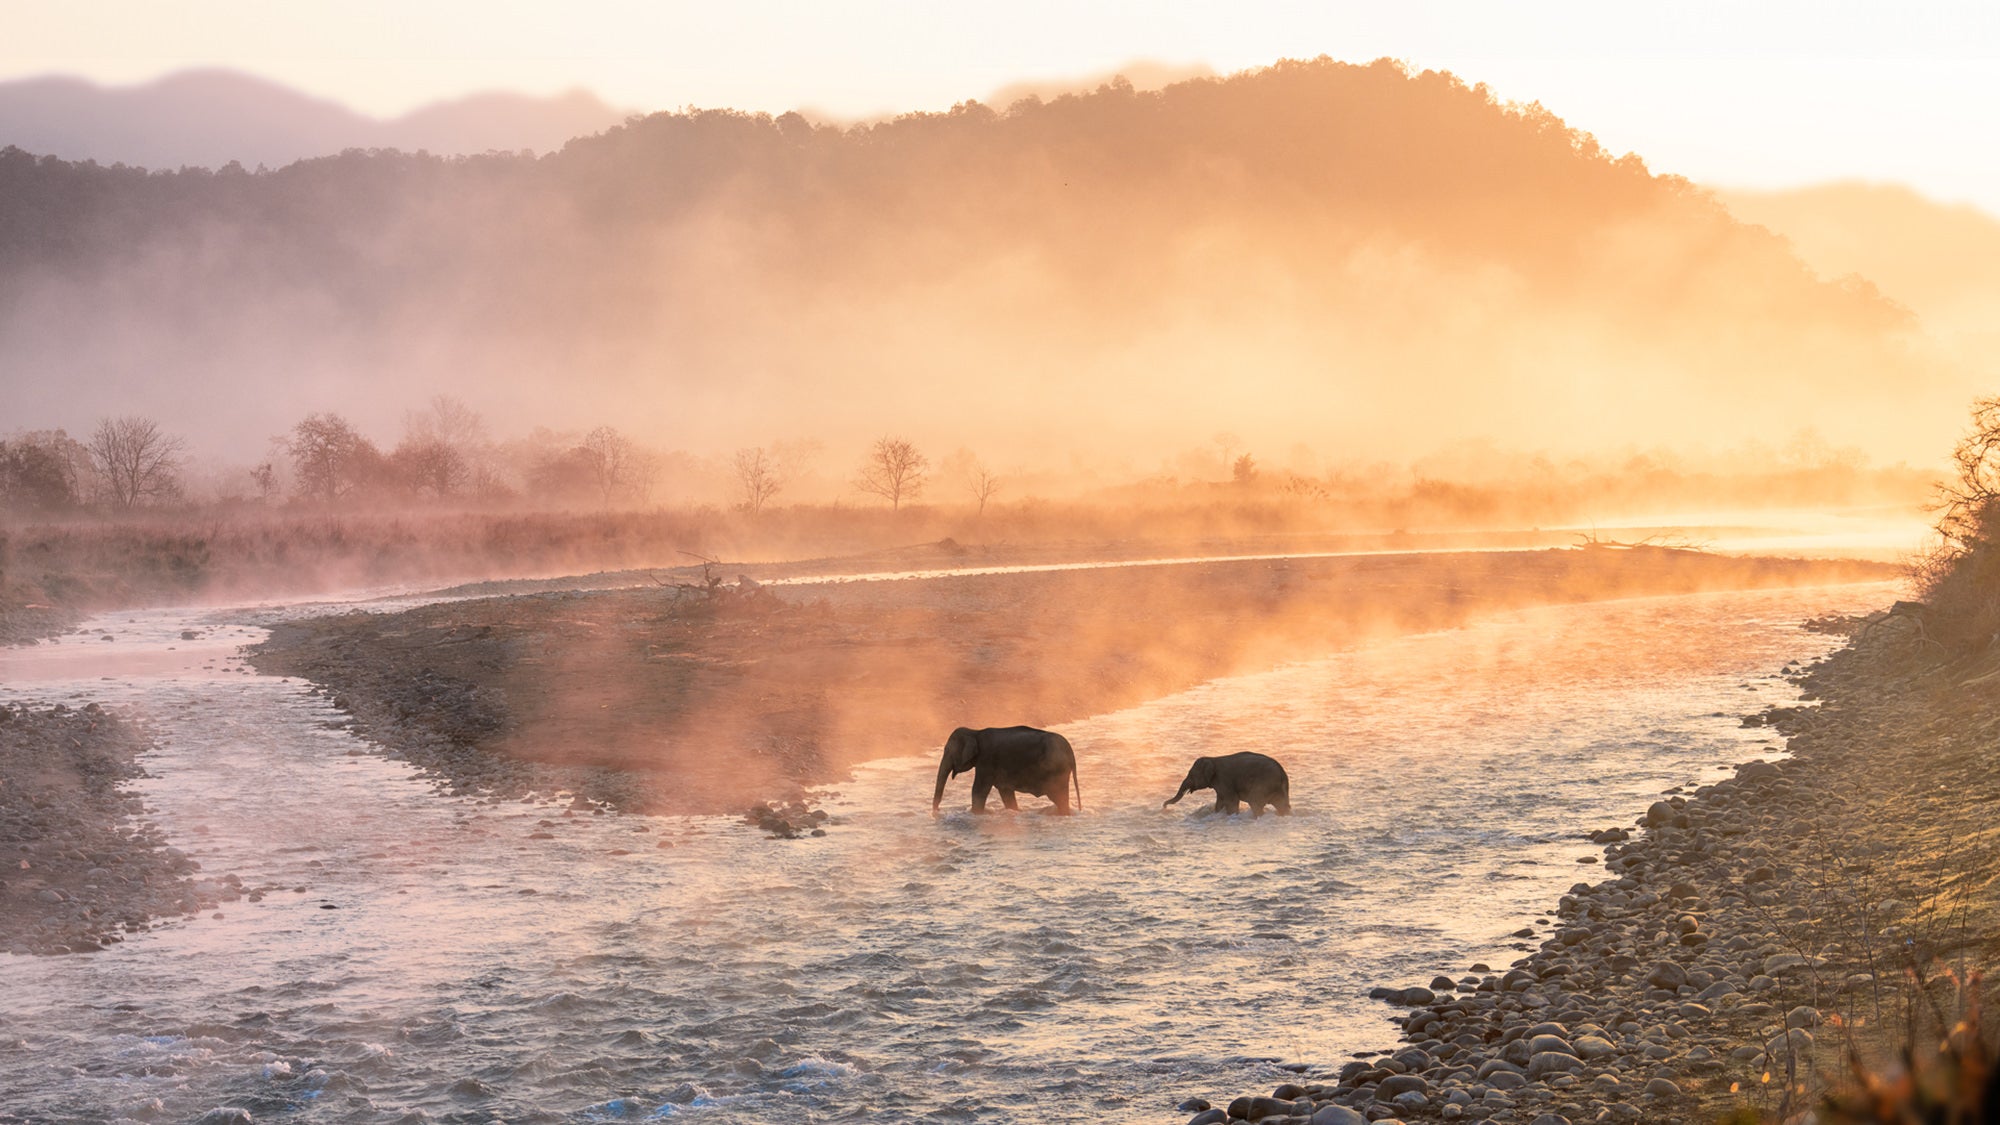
<point>1012,760</point>
<point>1238,778</point>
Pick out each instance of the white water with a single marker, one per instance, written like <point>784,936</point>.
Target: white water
<point>900,968</point>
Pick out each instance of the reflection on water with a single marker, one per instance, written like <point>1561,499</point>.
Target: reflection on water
<point>436,961</point>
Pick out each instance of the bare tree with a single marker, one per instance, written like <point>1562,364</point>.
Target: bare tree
<point>1965,504</point>
<point>760,476</point>
<point>981,482</point>
<point>618,467</point>
<point>136,460</point>
<point>431,465</point>
<point>894,471</point>
<point>448,420</point>
<point>329,456</point>
<point>440,445</point>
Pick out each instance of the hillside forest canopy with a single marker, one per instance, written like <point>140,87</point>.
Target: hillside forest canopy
<point>1368,263</point>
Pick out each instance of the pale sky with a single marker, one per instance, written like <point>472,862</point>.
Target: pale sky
<point>1731,94</point>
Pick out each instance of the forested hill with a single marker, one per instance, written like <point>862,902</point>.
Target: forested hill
<point>1319,252</point>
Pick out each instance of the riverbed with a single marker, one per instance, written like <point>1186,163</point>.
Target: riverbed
<point>440,957</point>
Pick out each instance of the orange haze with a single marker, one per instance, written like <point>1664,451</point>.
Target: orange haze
<point>1375,263</point>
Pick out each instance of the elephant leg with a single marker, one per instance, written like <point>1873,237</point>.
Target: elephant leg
<point>1007,799</point>
<point>1282,804</point>
<point>1226,800</point>
<point>979,792</point>
<point>1060,795</point>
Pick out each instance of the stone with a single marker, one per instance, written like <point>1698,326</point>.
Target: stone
<point>1784,962</point>
<point>1334,1115</point>
<point>1212,1117</point>
<point>1802,1016</point>
<point>1413,1059</point>
<point>1797,1040</point>
<point>1593,1047</point>
<point>1662,1088</point>
<point>1260,1108</point>
<point>1540,1043</point>
<point>1666,974</point>
<point>1193,1105</point>
<point>1552,1062</point>
<point>1397,1084</point>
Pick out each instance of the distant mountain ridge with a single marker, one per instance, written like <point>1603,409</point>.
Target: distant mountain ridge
<point>1358,258</point>
<point>208,118</point>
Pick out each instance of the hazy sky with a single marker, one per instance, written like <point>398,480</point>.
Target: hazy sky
<point>1750,94</point>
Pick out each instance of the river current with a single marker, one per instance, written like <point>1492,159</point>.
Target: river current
<point>450,958</point>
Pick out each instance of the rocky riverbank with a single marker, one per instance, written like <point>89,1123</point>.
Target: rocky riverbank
<point>25,623</point>
<point>713,700</point>
<point>1745,938</point>
<point>79,867</point>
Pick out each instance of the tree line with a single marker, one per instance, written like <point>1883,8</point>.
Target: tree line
<point>444,457</point>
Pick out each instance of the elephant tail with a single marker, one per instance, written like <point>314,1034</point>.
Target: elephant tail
<point>1078,783</point>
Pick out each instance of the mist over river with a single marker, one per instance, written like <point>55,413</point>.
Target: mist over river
<point>445,958</point>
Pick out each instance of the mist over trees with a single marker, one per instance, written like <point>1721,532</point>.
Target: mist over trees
<point>136,460</point>
<point>1357,257</point>
<point>894,471</point>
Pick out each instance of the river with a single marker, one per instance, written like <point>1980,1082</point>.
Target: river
<point>451,958</point>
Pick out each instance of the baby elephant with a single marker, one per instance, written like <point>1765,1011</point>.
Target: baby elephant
<point>1246,776</point>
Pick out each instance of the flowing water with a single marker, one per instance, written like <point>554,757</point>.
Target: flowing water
<point>435,962</point>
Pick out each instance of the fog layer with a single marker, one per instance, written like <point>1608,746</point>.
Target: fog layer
<point>1376,263</point>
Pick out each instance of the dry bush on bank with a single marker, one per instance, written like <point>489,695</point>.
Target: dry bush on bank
<point>1959,575</point>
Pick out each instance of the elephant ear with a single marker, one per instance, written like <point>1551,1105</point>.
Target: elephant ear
<point>963,749</point>
<point>1204,771</point>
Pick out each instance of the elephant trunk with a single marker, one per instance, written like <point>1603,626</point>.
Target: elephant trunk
<point>944,775</point>
<point>1176,798</point>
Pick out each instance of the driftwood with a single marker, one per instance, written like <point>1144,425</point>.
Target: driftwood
<point>1589,541</point>
<point>709,586</point>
